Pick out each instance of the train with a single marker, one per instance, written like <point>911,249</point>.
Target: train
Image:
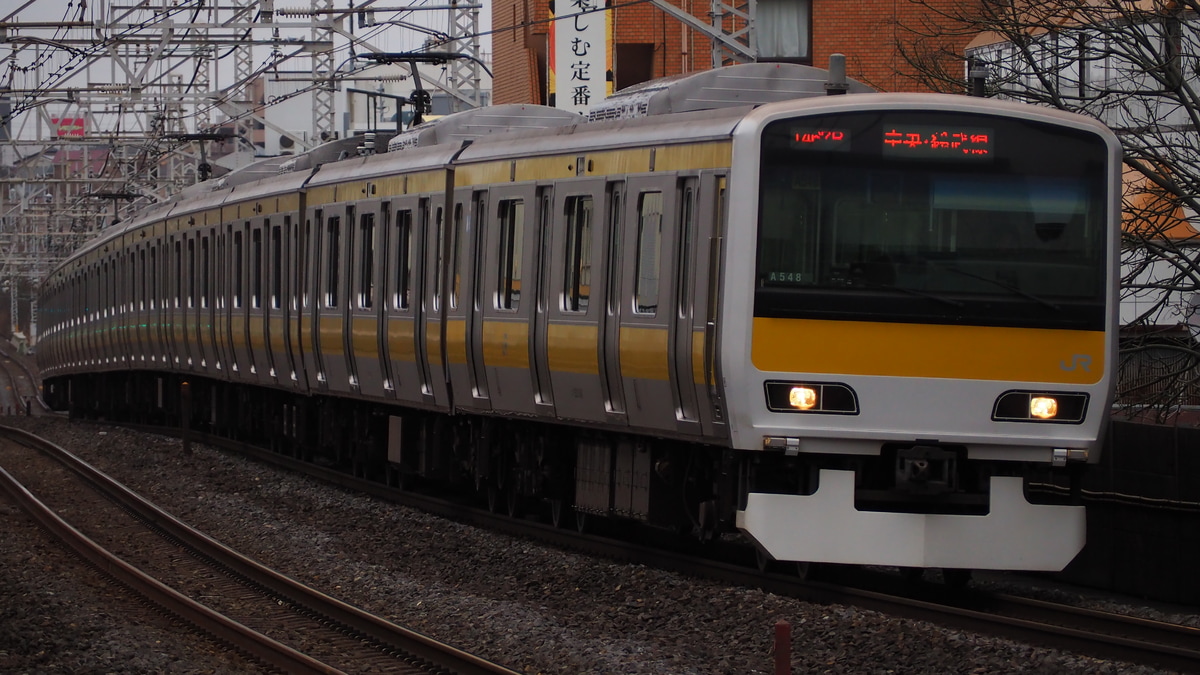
<point>753,303</point>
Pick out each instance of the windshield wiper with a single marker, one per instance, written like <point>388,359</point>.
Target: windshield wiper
<point>915,293</point>
<point>1008,287</point>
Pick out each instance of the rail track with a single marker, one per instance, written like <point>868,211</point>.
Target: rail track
<point>267,617</point>
<point>19,387</point>
<point>1095,633</point>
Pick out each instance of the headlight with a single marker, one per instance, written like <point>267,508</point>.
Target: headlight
<point>1040,406</point>
<point>811,397</point>
<point>1043,407</point>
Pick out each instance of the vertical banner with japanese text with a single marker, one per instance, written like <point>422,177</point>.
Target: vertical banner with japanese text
<point>580,57</point>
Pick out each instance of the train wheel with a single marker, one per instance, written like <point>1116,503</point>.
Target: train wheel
<point>558,512</point>
<point>493,498</point>
<point>806,571</point>
<point>515,504</point>
<point>912,574</point>
<point>762,559</point>
<point>581,522</point>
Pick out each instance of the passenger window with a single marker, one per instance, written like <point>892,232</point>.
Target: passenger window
<point>276,262</point>
<point>238,264</point>
<point>456,262</point>
<point>649,241</point>
<point>333,233</point>
<point>404,261</point>
<point>256,263</point>
<point>512,227</point>
<point>366,280</point>
<point>578,279</point>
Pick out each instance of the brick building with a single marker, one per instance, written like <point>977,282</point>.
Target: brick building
<point>649,43</point>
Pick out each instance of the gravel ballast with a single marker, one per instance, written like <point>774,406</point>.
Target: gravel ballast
<point>532,608</point>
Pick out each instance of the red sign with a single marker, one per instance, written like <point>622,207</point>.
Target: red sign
<point>69,127</point>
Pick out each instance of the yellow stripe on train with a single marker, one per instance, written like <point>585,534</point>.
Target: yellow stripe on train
<point>927,350</point>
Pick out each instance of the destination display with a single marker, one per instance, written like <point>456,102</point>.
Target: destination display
<point>935,142</point>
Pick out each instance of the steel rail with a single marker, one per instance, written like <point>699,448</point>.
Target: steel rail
<point>1084,631</point>
<point>443,656</point>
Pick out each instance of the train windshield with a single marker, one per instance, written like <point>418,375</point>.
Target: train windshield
<point>932,217</point>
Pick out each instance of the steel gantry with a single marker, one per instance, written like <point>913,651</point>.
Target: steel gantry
<point>108,106</point>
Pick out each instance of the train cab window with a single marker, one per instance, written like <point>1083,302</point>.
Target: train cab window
<point>366,261</point>
<point>649,241</point>
<point>578,278</point>
<point>333,234</point>
<point>512,220</point>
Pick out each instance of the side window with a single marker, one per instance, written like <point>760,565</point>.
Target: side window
<point>578,278</point>
<point>439,242</point>
<point>645,300</point>
<point>239,256</point>
<point>366,270</point>
<point>276,261</point>
<point>205,255</point>
<point>404,260</point>
<point>256,265</point>
<point>456,245</point>
<point>191,273</point>
<point>684,273</point>
<point>178,272</point>
<point>512,228</point>
<point>333,240</point>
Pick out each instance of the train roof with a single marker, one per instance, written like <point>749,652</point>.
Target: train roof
<point>748,84</point>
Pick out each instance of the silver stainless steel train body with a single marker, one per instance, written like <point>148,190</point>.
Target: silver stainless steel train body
<point>868,328</point>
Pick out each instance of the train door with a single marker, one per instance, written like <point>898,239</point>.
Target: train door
<point>174,291</point>
<point>274,334</point>
<point>387,260</point>
<point>306,302</point>
<point>436,279</point>
<point>610,319</point>
<point>332,338</point>
<point>647,320</point>
<point>257,328</point>
<point>573,332</point>
<point>293,275</point>
<point>682,328</point>
<point>543,392</point>
<point>192,312</point>
<point>404,335</point>
<point>364,356</point>
<point>239,357</point>
<point>316,242</point>
<point>704,289</point>
<point>506,297</point>
<point>222,300</point>
<point>464,328</point>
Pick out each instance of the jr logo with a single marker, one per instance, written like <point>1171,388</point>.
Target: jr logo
<point>1078,361</point>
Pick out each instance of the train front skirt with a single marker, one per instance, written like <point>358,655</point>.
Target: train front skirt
<point>826,527</point>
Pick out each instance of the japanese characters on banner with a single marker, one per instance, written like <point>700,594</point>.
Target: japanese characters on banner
<point>580,59</point>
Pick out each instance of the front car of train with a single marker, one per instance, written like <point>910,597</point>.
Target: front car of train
<point>918,316</point>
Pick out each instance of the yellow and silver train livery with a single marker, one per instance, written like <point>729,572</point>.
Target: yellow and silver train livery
<point>861,328</point>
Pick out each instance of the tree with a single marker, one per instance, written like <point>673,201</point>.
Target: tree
<point>1135,65</point>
